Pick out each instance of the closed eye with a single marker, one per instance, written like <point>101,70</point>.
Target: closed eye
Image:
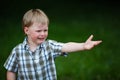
<point>38,30</point>
<point>45,30</point>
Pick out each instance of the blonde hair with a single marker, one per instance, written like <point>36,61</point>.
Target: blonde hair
<point>34,15</point>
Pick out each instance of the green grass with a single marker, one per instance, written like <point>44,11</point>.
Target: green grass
<point>100,63</point>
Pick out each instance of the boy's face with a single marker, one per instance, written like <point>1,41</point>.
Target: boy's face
<point>36,33</point>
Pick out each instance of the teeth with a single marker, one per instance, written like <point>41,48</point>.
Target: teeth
<point>40,38</point>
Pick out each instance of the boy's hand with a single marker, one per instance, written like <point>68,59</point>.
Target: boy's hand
<point>73,46</point>
<point>89,44</point>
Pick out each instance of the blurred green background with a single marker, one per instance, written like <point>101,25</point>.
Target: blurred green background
<point>72,20</point>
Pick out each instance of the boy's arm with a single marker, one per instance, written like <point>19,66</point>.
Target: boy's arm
<point>11,75</point>
<point>73,47</point>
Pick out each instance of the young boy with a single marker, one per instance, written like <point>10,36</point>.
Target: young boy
<point>34,58</point>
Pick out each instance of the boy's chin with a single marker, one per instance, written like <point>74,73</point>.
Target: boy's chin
<point>41,41</point>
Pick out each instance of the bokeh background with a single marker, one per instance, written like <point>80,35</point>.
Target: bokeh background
<point>73,20</point>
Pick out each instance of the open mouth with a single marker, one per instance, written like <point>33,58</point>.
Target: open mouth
<point>41,38</point>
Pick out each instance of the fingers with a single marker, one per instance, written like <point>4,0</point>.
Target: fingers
<point>97,42</point>
<point>90,38</point>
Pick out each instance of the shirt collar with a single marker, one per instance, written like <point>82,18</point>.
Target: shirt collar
<point>25,44</point>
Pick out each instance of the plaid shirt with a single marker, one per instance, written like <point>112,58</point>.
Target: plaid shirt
<point>38,65</point>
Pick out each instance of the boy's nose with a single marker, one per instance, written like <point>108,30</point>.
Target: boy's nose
<point>42,33</point>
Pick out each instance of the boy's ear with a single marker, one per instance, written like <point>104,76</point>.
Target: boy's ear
<point>26,30</point>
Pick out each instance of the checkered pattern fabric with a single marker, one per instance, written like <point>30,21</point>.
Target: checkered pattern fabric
<point>37,65</point>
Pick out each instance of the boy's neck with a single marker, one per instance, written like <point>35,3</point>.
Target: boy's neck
<point>32,46</point>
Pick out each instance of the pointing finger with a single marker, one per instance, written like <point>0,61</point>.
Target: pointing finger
<point>97,42</point>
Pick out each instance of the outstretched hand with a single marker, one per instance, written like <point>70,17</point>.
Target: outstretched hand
<point>89,44</point>
<point>73,46</point>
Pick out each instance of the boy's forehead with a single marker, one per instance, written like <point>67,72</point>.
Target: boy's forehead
<point>35,24</point>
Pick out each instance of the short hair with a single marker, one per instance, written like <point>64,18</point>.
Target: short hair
<point>34,15</point>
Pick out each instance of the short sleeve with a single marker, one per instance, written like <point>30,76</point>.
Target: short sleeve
<point>57,48</point>
<point>11,62</point>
